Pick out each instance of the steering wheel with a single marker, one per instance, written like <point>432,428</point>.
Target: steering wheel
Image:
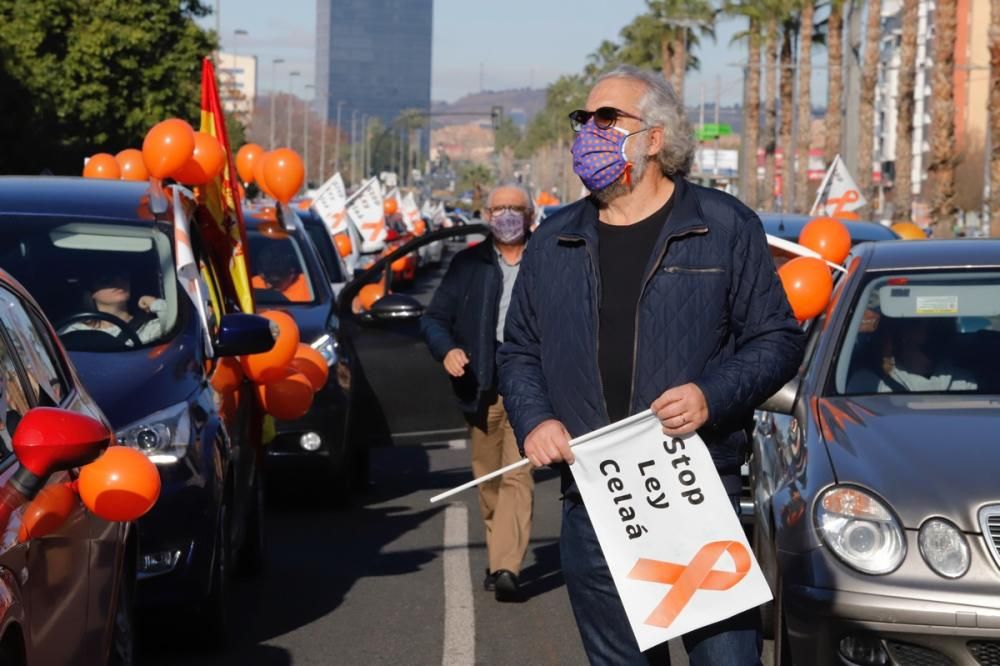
<point>125,332</point>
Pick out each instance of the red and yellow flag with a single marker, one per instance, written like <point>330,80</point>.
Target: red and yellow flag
<point>225,228</point>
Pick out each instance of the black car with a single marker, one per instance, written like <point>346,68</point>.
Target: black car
<point>788,227</point>
<point>336,270</point>
<point>99,257</point>
<point>288,275</point>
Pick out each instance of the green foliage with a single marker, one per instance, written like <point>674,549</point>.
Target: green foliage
<point>85,76</point>
<point>507,135</point>
<point>472,176</point>
<point>551,124</point>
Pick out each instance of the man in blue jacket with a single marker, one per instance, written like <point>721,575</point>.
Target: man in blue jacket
<point>463,327</point>
<point>650,293</point>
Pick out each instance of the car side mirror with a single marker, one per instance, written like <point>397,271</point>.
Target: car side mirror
<point>49,440</point>
<point>783,402</point>
<point>396,307</point>
<point>243,334</point>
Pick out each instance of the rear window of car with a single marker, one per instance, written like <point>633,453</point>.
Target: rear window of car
<point>324,245</point>
<point>278,270</point>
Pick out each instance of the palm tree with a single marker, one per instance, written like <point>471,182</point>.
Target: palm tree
<point>787,76</point>
<point>805,106</point>
<point>835,78</point>
<point>995,118</point>
<point>903,185</point>
<point>941,170</point>
<point>753,11</point>
<point>684,21</point>
<point>866,114</point>
<point>770,107</point>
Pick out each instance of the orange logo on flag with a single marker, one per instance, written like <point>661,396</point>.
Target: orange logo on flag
<point>686,580</point>
<point>840,203</point>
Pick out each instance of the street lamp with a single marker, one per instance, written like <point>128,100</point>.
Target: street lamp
<point>274,98</point>
<point>305,131</point>
<point>354,145</point>
<point>336,150</point>
<point>291,79</point>
<point>364,146</point>
<point>237,33</point>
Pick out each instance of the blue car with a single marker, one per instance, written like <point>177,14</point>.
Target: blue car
<point>99,257</point>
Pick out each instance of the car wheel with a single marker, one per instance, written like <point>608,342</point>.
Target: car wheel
<point>123,633</point>
<point>252,553</point>
<point>782,646</point>
<point>215,612</point>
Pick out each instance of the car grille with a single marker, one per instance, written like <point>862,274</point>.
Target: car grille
<point>989,521</point>
<point>905,654</point>
<point>986,653</point>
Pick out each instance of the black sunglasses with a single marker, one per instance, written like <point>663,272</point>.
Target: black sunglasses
<point>604,117</point>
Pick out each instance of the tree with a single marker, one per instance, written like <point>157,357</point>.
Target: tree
<point>472,176</point>
<point>682,22</point>
<point>805,106</point>
<point>866,114</point>
<point>995,118</point>
<point>770,108</point>
<point>86,76</point>
<point>787,76</point>
<point>754,11</point>
<point>903,183</point>
<point>835,78</point>
<point>941,171</point>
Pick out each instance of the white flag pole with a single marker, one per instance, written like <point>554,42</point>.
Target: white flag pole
<point>524,461</point>
<point>801,250</point>
<point>822,186</point>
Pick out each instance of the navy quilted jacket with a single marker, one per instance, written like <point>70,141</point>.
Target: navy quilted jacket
<point>712,311</point>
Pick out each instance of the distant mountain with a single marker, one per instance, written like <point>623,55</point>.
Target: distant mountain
<point>521,105</point>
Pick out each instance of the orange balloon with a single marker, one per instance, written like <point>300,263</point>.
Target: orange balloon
<point>206,162</point>
<point>120,486</point>
<point>808,285</point>
<point>270,366</point>
<point>285,173</point>
<point>102,165</point>
<point>246,159</point>
<point>827,236</point>
<point>132,166</point>
<point>390,206</point>
<point>227,376</point>
<point>847,215</point>
<point>259,176</point>
<point>369,294</point>
<point>344,245</point>
<point>288,398</point>
<point>47,512</point>
<point>400,265</point>
<point>311,363</point>
<point>167,147</point>
<point>909,231</point>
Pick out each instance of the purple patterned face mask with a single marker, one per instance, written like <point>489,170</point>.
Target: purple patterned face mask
<point>599,155</point>
<point>507,226</point>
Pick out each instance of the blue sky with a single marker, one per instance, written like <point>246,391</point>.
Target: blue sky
<point>518,42</point>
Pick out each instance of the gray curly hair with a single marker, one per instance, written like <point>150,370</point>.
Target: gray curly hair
<point>660,107</point>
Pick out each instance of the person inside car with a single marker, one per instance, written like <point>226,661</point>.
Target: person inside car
<point>279,272</point>
<point>110,293</point>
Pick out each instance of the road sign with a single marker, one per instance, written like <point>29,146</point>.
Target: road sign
<point>710,131</point>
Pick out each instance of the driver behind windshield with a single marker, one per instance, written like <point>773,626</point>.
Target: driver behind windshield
<point>279,271</point>
<point>110,293</point>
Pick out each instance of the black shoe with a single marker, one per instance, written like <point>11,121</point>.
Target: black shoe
<point>489,583</point>
<point>507,586</point>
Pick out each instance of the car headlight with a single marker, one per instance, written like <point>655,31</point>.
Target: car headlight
<point>944,548</point>
<point>163,436</point>
<point>326,345</point>
<point>860,529</point>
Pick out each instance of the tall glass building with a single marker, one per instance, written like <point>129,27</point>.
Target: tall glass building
<point>375,56</point>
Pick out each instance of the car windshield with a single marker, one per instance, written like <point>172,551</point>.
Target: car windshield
<point>278,269</point>
<point>324,245</point>
<point>106,286</point>
<point>923,333</point>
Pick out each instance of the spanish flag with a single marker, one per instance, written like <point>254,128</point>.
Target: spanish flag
<point>224,227</point>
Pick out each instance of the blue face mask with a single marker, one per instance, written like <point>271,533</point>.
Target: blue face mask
<point>599,156</point>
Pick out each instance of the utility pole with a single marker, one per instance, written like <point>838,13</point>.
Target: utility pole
<point>354,144</point>
<point>305,133</point>
<point>291,99</point>
<point>364,146</point>
<point>718,100</point>
<point>274,99</point>
<point>336,149</point>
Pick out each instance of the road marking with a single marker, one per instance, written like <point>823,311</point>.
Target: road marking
<point>457,444</point>
<point>459,612</point>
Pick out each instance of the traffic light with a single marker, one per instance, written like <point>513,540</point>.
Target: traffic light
<point>496,114</point>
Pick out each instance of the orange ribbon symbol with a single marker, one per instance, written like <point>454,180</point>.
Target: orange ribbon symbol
<point>686,580</point>
<point>840,203</point>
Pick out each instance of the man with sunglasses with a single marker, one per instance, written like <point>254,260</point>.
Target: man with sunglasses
<point>463,326</point>
<point>652,292</point>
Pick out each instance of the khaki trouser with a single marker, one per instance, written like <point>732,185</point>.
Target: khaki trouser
<point>504,502</point>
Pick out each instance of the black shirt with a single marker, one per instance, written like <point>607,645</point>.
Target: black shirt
<point>624,252</point>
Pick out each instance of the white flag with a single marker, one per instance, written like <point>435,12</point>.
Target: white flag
<point>330,203</point>
<point>668,530</point>
<point>365,210</point>
<point>411,213</point>
<point>838,193</point>
<point>188,273</point>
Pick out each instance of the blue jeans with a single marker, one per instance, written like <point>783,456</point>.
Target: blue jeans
<point>604,627</point>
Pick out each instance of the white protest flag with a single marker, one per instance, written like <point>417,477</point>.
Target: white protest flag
<point>838,193</point>
<point>667,527</point>
<point>411,213</point>
<point>440,217</point>
<point>188,273</point>
<point>330,203</point>
<point>365,210</point>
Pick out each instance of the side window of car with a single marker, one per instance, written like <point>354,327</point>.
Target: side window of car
<point>14,402</point>
<point>47,382</point>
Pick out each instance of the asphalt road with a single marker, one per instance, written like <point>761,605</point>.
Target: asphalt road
<point>379,582</point>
